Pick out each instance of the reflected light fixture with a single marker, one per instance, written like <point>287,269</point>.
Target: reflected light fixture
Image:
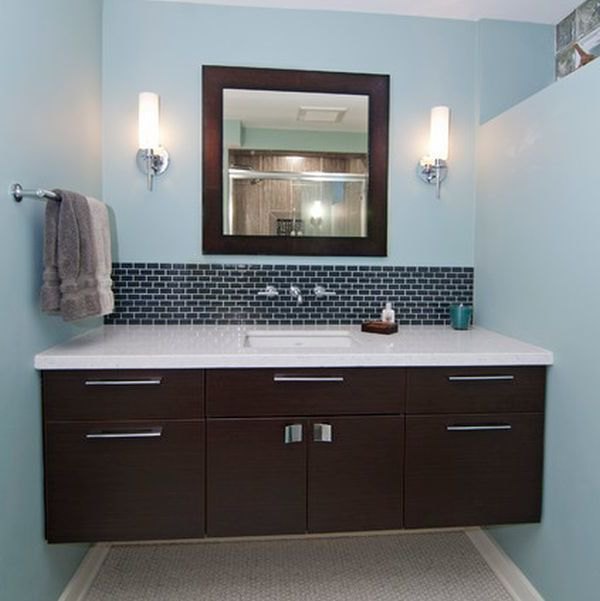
<point>152,159</point>
<point>316,213</point>
<point>433,168</point>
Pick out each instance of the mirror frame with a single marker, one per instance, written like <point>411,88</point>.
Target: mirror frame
<point>215,79</point>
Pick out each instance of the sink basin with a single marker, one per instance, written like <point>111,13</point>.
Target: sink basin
<point>298,339</point>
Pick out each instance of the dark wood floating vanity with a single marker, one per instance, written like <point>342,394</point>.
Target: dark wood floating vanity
<point>170,453</point>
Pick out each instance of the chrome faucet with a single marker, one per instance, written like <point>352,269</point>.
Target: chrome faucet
<point>295,292</point>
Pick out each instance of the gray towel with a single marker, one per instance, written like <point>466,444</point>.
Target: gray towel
<point>77,258</point>
<point>50,295</point>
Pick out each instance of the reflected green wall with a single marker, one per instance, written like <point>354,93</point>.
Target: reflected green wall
<point>286,139</point>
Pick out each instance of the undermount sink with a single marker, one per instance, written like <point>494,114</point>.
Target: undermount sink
<point>298,339</point>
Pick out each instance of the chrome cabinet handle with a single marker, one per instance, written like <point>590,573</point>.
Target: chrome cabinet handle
<point>480,378</point>
<point>478,428</point>
<point>282,378</point>
<point>322,432</point>
<point>144,433</point>
<point>148,382</point>
<point>292,433</point>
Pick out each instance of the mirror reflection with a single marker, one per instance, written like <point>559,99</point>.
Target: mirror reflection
<point>295,164</point>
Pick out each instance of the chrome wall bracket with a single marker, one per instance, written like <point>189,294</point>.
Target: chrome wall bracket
<point>433,172</point>
<point>18,193</point>
<point>152,162</point>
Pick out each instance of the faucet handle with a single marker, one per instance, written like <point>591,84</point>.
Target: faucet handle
<point>321,291</point>
<point>269,291</point>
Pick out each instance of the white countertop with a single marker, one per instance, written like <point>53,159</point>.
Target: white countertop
<point>187,347</point>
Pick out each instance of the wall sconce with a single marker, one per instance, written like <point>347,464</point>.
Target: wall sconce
<point>433,168</point>
<point>152,159</point>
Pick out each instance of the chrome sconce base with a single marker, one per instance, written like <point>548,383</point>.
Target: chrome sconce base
<point>152,162</point>
<point>433,172</point>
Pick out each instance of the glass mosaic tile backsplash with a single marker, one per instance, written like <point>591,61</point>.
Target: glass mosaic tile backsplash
<point>171,293</point>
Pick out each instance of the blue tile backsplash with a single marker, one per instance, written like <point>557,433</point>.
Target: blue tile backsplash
<point>177,293</point>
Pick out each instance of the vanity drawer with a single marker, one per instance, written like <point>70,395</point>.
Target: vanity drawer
<point>123,394</point>
<point>128,480</point>
<point>475,389</point>
<point>473,470</point>
<point>280,392</point>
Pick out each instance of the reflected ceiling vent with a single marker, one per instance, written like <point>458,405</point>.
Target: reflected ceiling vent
<point>321,114</point>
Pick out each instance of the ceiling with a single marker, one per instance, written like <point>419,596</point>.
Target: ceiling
<point>535,11</point>
<point>279,110</point>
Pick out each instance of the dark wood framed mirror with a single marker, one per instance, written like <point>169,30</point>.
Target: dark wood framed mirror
<point>294,162</point>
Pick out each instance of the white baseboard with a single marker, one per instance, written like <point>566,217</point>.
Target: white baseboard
<point>86,572</point>
<point>515,582</point>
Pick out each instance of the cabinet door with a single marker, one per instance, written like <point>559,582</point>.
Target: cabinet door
<point>467,470</point>
<point>256,476</point>
<point>124,481</point>
<point>355,473</point>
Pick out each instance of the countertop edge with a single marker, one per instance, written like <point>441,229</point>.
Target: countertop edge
<point>57,362</point>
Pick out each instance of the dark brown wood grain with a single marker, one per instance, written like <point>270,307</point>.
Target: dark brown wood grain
<point>180,395</point>
<point>254,393</point>
<point>214,80</point>
<point>124,489</point>
<point>256,482</point>
<point>355,482</point>
<point>473,478</point>
<point>380,471</point>
<point>429,390</point>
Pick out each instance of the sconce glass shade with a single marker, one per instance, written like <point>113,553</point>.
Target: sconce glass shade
<point>432,168</point>
<point>148,121</point>
<point>152,159</point>
<point>439,133</point>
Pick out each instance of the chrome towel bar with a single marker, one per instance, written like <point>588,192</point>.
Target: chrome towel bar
<point>19,193</point>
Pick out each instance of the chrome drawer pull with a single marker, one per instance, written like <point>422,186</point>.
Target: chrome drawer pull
<point>147,433</point>
<point>308,378</point>
<point>480,378</point>
<point>322,433</point>
<point>476,428</point>
<point>149,382</point>
<point>292,434</point>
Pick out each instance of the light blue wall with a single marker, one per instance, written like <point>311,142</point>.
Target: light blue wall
<point>161,46</point>
<point>515,61</point>
<point>536,274</point>
<point>49,136</point>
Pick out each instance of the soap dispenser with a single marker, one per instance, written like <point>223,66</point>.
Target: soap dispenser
<point>388,315</point>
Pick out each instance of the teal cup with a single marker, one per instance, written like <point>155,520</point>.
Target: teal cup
<point>460,316</point>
